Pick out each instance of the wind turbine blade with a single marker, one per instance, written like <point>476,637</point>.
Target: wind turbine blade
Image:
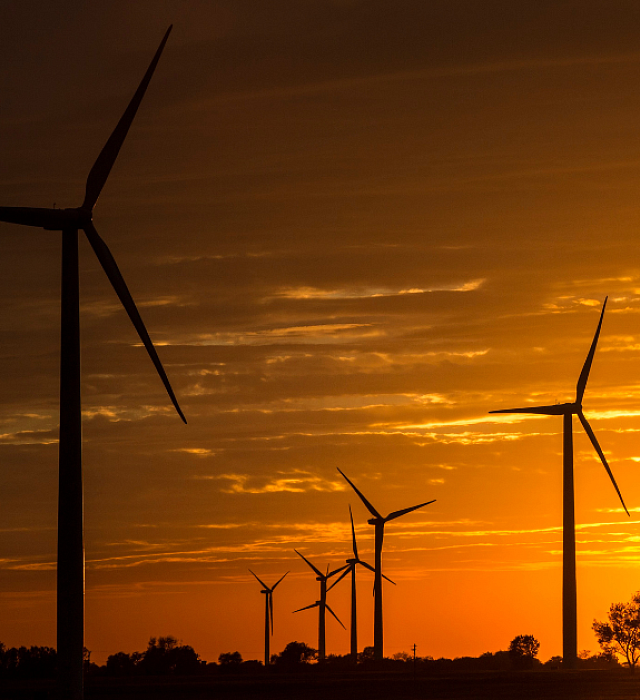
<point>342,575</point>
<point>264,585</point>
<point>117,281</point>
<point>102,167</point>
<point>555,410</point>
<point>271,610</point>
<point>308,607</point>
<point>584,375</point>
<point>277,582</point>
<point>368,566</point>
<point>309,563</point>
<point>353,535</point>
<point>337,571</point>
<point>594,442</point>
<point>404,511</point>
<point>31,216</point>
<point>370,508</point>
<point>337,618</point>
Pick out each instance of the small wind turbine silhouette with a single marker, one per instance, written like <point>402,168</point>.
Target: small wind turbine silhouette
<point>567,410</point>
<point>351,568</point>
<point>321,604</point>
<point>70,583</point>
<point>378,521</point>
<point>268,614</point>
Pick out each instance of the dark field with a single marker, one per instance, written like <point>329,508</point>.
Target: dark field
<point>489,685</point>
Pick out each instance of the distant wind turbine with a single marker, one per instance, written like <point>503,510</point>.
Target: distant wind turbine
<point>567,410</point>
<point>351,568</point>
<point>268,614</point>
<point>70,583</point>
<point>378,521</point>
<point>321,604</point>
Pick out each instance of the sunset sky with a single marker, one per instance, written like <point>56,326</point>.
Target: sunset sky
<point>352,229</point>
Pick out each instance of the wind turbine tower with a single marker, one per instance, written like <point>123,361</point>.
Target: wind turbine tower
<point>321,604</point>
<point>352,563</point>
<point>268,614</point>
<point>567,411</point>
<point>378,521</point>
<point>70,575</point>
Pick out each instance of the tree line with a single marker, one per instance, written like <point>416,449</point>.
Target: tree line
<point>166,656</point>
<point>618,637</point>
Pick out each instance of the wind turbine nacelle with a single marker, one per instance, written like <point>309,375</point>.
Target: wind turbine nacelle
<point>49,219</point>
<point>71,218</point>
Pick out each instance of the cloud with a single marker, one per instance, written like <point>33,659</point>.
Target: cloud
<point>29,437</point>
<point>294,335</point>
<point>296,481</point>
<point>372,293</point>
<point>197,451</point>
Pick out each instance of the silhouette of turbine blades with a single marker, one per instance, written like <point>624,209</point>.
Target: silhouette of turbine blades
<point>378,521</point>
<point>321,604</point>
<point>268,614</point>
<point>567,411</point>
<point>70,570</point>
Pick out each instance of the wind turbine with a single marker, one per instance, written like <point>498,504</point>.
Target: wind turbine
<point>321,604</point>
<point>268,614</point>
<point>567,410</point>
<point>70,576</point>
<point>378,521</point>
<point>351,568</point>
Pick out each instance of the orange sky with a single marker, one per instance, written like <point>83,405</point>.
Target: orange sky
<point>352,228</point>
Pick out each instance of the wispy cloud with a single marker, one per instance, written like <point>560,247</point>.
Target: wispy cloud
<point>301,335</point>
<point>293,482</point>
<point>29,437</point>
<point>373,292</point>
<point>196,451</point>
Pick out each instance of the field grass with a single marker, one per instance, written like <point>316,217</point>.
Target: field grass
<point>488,685</point>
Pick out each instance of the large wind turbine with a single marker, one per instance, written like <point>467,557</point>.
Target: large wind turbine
<point>567,410</point>
<point>378,521</point>
<point>70,583</point>
<point>321,604</point>
<point>351,568</point>
<point>268,614</point>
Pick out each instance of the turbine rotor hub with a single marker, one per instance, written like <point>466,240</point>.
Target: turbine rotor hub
<point>85,216</point>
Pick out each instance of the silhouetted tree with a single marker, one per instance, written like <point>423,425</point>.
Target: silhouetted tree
<point>230,658</point>
<point>605,661</point>
<point>523,650</point>
<point>165,656</point>
<point>31,662</point>
<point>295,654</point>
<point>553,662</point>
<point>251,666</point>
<point>366,655</point>
<point>123,664</point>
<point>621,633</point>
